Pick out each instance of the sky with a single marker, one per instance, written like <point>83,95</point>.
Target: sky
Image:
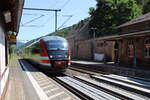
<point>39,23</point>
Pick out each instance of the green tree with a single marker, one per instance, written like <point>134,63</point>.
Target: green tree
<point>101,18</point>
<point>141,2</point>
<point>146,8</point>
<point>63,32</point>
<point>125,10</point>
<point>111,13</point>
<point>91,10</point>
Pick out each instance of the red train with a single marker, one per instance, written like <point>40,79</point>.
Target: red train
<point>50,52</point>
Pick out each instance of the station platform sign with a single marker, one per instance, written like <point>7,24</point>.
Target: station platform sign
<point>12,39</point>
<point>12,43</point>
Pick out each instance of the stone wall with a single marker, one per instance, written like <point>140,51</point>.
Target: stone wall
<point>105,47</point>
<point>85,49</point>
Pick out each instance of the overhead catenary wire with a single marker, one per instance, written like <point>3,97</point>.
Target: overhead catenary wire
<point>32,14</point>
<point>32,25</point>
<point>42,9</point>
<point>63,6</point>
<point>32,20</point>
<point>69,17</point>
<point>55,3</point>
<point>48,10</point>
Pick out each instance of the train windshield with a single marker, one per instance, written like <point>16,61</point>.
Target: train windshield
<point>58,52</point>
<point>57,45</point>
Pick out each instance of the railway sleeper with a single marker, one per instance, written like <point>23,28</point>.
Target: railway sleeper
<point>125,86</point>
<point>123,94</point>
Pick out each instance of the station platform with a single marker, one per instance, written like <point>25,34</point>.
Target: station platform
<point>27,83</point>
<point>110,67</point>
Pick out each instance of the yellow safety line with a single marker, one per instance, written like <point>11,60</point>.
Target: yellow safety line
<point>48,86</point>
<point>41,83</point>
<point>39,78</point>
<point>51,90</point>
<point>44,84</point>
<point>56,95</point>
<point>68,98</point>
<point>44,81</point>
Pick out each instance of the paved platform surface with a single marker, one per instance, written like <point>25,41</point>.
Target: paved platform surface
<point>27,83</point>
<point>16,90</point>
<point>112,68</point>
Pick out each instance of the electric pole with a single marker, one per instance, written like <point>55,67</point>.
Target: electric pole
<point>56,21</point>
<point>55,10</point>
<point>93,42</point>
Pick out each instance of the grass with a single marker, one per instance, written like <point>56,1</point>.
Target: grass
<point>13,57</point>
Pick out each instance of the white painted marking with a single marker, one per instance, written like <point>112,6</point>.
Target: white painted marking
<point>44,58</point>
<point>46,64</point>
<point>37,88</point>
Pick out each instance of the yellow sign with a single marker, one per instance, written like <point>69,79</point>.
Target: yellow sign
<point>12,38</point>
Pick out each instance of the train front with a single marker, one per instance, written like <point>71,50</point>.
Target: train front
<point>58,53</point>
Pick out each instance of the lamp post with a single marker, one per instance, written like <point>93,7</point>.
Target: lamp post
<point>93,42</point>
<point>7,16</point>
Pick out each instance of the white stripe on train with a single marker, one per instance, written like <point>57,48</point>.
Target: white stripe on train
<point>46,64</point>
<point>44,58</point>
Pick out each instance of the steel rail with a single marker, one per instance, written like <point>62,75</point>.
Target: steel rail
<point>92,92</point>
<point>73,90</point>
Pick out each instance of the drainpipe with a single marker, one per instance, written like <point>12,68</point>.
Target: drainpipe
<point>119,52</point>
<point>135,55</point>
<point>105,52</point>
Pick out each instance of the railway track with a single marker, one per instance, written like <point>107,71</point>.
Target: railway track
<point>73,90</point>
<point>103,86</point>
<point>86,70</point>
<point>85,91</point>
<point>95,90</point>
<point>122,87</point>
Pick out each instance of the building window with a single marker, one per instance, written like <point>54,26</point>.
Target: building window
<point>130,50</point>
<point>147,48</point>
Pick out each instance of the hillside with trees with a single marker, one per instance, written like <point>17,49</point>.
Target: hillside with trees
<point>109,14</point>
<point>63,32</point>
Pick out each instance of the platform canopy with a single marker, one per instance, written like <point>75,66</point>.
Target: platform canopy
<point>11,12</point>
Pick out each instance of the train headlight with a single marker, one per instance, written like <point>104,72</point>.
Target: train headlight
<point>51,56</point>
<point>66,56</point>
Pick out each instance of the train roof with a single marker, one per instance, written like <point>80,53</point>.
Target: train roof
<point>47,38</point>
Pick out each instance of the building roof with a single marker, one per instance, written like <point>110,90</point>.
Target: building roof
<point>126,36</point>
<point>15,7</point>
<point>140,19</point>
<point>79,31</point>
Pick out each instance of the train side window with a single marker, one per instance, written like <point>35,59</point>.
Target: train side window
<point>147,48</point>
